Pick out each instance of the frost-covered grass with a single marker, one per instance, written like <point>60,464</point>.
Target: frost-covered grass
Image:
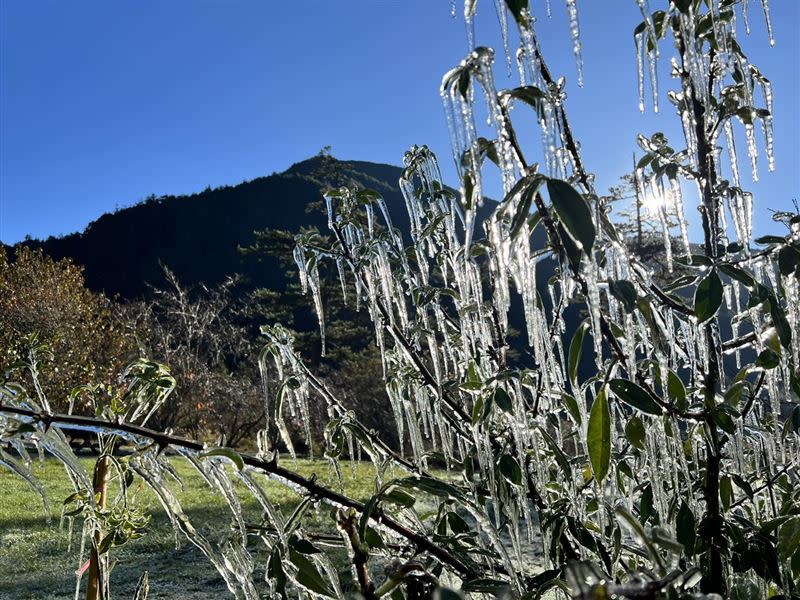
<point>35,563</point>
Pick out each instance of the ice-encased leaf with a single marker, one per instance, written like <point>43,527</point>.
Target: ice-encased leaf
<point>686,526</point>
<point>308,575</point>
<point>598,437</point>
<point>634,395</point>
<point>789,537</point>
<point>708,297</point>
<point>576,351</point>
<point>635,432</point>
<point>624,291</point>
<point>574,212</point>
<point>228,453</point>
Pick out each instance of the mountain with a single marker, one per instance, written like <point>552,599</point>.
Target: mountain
<point>197,236</point>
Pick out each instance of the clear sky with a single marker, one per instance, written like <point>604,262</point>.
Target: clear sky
<point>103,103</point>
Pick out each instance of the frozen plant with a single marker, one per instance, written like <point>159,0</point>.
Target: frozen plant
<point>644,444</point>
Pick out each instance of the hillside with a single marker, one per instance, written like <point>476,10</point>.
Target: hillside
<point>198,235</point>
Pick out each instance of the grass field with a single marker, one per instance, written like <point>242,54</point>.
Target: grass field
<point>35,561</point>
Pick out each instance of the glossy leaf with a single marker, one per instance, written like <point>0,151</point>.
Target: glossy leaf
<point>599,437</point>
<point>635,432</point>
<point>708,297</point>
<point>308,575</point>
<point>634,395</point>
<point>574,212</point>
<point>575,351</point>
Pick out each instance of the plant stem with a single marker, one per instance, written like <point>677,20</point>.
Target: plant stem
<point>713,579</point>
<point>94,582</point>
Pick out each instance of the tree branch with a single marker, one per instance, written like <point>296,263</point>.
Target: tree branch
<point>269,467</point>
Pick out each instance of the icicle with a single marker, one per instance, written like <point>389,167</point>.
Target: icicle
<point>652,65</point>
<point>664,218</point>
<point>677,201</point>
<point>768,21</point>
<point>575,31</point>
<point>640,49</point>
<point>20,469</point>
<point>469,15</point>
<point>767,123</point>
<point>752,150</point>
<point>647,15</point>
<point>502,17</point>
<point>329,210</point>
<point>744,17</point>
<point>732,152</point>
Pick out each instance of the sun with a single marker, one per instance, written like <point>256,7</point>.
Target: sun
<point>654,203</point>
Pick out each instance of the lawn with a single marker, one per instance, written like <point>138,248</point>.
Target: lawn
<point>36,560</point>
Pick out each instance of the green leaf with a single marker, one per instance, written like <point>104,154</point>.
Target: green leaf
<point>739,275</point>
<point>647,158</point>
<point>628,519</point>
<point>726,492</point>
<point>228,453</point>
<point>685,528</point>
<point>708,297</point>
<point>572,407</point>
<point>795,419</point>
<point>574,212</point>
<point>560,457</point>
<point>768,359</point>
<point>624,291</point>
<point>523,210</point>
<point>478,410</point>
<point>634,431</point>
<point>106,543</point>
<point>510,469</point>
<point>575,348</point>
<point>275,570</point>
<point>518,9</point>
<point>530,95</point>
<point>676,390</point>
<point>770,239</point>
<point>503,400</point>
<point>789,537</point>
<point>457,524</point>
<point>399,497</point>
<point>303,546</point>
<point>599,437</point>
<point>788,259</point>
<point>573,253</point>
<point>373,538</point>
<point>634,395</point>
<point>308,575</point>
<point>723,419</point>
<point>430,486</point>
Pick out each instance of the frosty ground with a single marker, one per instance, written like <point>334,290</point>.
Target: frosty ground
<point>35,562</point>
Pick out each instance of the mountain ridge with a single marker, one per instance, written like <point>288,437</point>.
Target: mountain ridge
<point>198,235</point>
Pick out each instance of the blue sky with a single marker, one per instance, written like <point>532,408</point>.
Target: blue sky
<point>103,103</point>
